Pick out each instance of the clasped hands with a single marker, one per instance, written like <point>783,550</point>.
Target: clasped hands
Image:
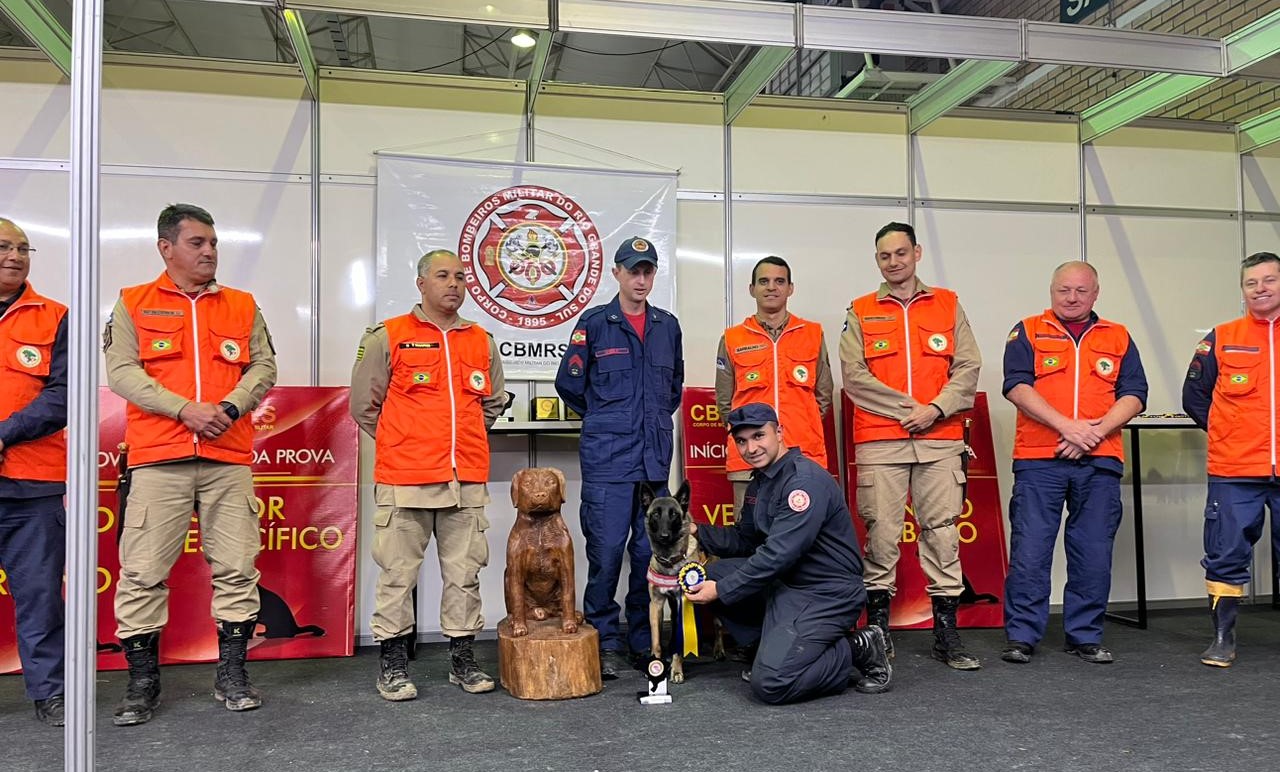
<point>207,420</point>
<point>1079,438</point>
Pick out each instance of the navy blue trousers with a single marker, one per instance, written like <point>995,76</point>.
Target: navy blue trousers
<point>804,652</point>
<point>33,555</point>
<point>1233,520</point>
<point>613,527</point>
<point>1092,499</point>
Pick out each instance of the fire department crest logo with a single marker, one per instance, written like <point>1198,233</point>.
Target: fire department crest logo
<point>798,500</point>
<point>1239,378</point>
<point>230,349</point>
<point>937,342</point>
<point>801,373</point>
<point>1104,366</point>
<point>29,356</point>
<point>477,379</point>
<point>422,378</point>
<point>532,256</point>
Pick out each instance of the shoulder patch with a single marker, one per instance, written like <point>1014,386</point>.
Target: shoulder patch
<point>721,364</point>
<point>1013,335</point>
<point>798,500</point>
<point>1204,347</point>
<point>360,354</point>
<point>578,338</point>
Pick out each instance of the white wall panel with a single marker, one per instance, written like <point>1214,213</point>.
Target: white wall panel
<point>786,150</point>
<point>39,125</point>
<point>988,160</point>
<point>346,276</point>
<point>1160,167</point>
<point>1168,281</point>
<point>205,120</point>
<point>700,286</point>
<point>1261,236</point>
<point>38,202</point>
<point>1262,179</point>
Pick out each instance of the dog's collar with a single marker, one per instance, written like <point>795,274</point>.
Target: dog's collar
<point>662,581</point>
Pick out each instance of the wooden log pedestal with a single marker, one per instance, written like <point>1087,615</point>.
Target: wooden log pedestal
<point>548,664</point>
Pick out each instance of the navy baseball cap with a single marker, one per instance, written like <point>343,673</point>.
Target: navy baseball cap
<point>634,251</point>
<point>751,415</point>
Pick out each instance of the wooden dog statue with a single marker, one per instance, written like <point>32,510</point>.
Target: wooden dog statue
<point>539,576</point>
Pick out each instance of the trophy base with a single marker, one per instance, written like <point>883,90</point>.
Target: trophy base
<point>548,664</point>
<point>653,699</point>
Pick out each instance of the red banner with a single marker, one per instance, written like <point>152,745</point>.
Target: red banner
<point>306,460</point>
<point>983,553</point>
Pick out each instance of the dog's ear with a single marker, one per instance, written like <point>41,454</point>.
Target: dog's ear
<point>647,496</point>
<point>682,496</point>
<point>559,478</point>
<point>515,488</point>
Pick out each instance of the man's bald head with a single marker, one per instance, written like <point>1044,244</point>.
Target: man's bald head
<point>1073,290</point>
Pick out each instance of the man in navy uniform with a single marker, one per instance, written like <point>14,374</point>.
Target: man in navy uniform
<point>789,576</point>
<point>623,372</point>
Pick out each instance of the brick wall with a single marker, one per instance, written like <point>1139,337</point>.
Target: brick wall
<point>1075,88</point>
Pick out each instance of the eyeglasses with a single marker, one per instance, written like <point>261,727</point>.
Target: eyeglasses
<point>6,248</point>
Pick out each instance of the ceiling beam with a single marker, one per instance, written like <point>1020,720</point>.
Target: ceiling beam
<point>1142,98</point>
<point>1257,41</point>
<point>301,44</point>
<point>41,28</point>
<point>760,70</point>
<point>962,83</point>
<point>537,70</point>
<point>1260,131</point>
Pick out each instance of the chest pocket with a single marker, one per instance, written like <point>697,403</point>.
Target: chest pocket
<point>879,339</point>
<point>800,372</point>
<point>231,343</point>
<point>1104,363</point>
<point>937,339</point>
<point>418,369</point>
<point>751,371</point>
<point>29,352</point>
<point>1052,356</point>
<point>159,337</point>
<point>613,376</point>
<point>475,375</point>
<point>1238,372</point>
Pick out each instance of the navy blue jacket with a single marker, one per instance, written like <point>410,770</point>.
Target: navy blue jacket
<point>794,528</point>
<point>625,391</point>
<point>44,415</point>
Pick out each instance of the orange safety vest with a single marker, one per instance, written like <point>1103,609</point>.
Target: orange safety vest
<point>434,375</point>
<point>781,374</point>
<point>198,348</point>
<point>27,331</point>
<point>909,348</point>
<point>1076,379</point>
<point>1242,415</point>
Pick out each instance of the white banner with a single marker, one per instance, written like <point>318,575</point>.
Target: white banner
<point>536,241</point>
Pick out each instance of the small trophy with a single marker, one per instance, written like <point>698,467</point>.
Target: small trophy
<point>656,671</point>
<point>545,409</point>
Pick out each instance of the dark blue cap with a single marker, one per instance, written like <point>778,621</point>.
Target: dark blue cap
<point>635,250</point>
<point>751,415</point>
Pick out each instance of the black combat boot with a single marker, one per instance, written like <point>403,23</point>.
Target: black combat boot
<point>1222,652</point>
<point>142,695</point>
<point>871,660</point>
<point>466,673</point>
<point>878,615</point>
<point>231,685</point>
<point>946,638</point>
<point>394,683</point>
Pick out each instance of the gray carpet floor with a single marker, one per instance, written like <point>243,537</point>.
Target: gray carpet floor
<point>1156,708</point>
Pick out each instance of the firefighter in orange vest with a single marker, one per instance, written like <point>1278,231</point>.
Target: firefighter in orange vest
<point>910,366</point>
<point>779,359</point>
<point>33,470</point>
<point>192,358</point>
<point>427,386</point>
<point>1076,381</point>
<point>1231,391</point>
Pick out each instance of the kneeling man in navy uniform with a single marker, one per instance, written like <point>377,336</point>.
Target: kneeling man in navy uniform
<point>789,582</point>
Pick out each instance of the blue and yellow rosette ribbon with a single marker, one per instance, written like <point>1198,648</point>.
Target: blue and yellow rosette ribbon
<point>691,575</point>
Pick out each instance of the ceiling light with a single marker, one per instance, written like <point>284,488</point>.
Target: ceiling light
<point>523,39</point>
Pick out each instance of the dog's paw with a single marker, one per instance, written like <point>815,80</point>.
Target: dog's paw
<point>519,629</point>
<point>569,627</point>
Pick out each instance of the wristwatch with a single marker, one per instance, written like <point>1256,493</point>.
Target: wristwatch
<point>231,410</point>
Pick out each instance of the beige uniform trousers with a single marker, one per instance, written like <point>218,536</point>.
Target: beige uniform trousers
<point>400,539</point>
<point>936,489</point>
<point>157,519</point>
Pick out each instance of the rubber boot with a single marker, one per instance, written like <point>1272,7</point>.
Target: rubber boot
<point>878,615</point>
<point>466,672</point>
<point>871,660</point>
<point>946,638</point>
<point>1222,652</point>
<point>393,682</point>
<point>232,686</point>
<point>142,695</point>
